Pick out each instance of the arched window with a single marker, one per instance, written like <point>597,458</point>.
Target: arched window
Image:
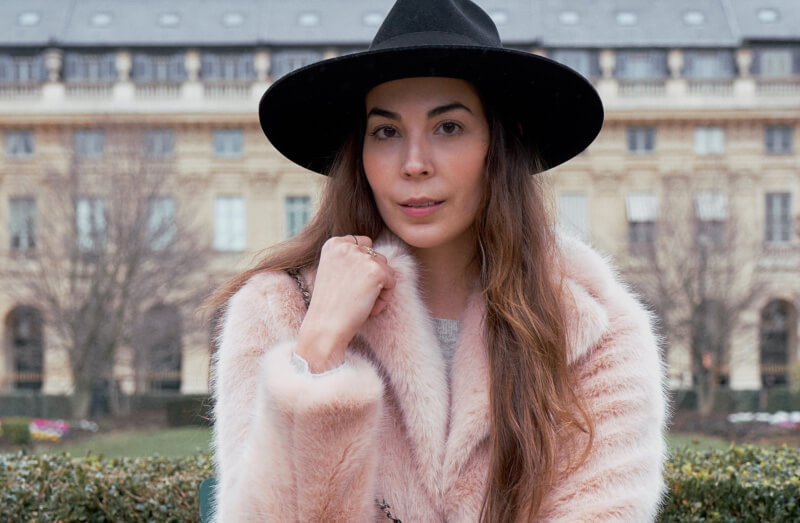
<point>25,345</point>
<point>776,338</point>
<point>160,349</point>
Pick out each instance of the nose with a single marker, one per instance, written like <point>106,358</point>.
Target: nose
<point>417,161</point>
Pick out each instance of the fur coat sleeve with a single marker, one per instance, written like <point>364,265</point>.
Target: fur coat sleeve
<point>391,426</point>
<point>289,446</point>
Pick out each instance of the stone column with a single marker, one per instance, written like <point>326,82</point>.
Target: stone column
<point>607,85</point>
<point>675,62</point>
<point>262,65</point>
<point>192,65</point>
<point>53,60</point>
<point>744,86</point>
<point>676,85</point>
<point>744,60</point>
<point>124,64</point>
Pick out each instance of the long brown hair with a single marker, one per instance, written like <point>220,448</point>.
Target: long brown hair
<point>533,404</point>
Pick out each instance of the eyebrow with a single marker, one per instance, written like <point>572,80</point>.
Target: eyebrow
<point>436,111</point>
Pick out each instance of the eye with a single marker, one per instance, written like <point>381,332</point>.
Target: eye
<point>384,132</point>
<point>449,128</point>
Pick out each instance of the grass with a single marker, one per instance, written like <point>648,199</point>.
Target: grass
<point>177,442</point>
<point>186,441</point>
<point>696,442</point>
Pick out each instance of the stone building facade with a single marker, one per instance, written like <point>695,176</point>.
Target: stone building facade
<point>702,104</point>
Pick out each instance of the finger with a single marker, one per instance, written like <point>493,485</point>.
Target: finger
<point>361,241</point>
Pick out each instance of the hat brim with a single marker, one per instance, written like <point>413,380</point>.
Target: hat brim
<point>308,113</point>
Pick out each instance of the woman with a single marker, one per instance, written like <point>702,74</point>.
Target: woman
<point>427,349</point>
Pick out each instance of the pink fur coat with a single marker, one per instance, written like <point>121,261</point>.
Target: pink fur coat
<point>295,447</point>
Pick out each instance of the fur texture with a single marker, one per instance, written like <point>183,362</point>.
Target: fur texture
<point>294,447</point>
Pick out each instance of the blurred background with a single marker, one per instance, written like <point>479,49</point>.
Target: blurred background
<point>134,178</point>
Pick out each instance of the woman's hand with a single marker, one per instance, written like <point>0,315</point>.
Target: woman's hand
<point>353,283</point>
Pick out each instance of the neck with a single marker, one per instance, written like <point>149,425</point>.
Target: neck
<point>447,278</point>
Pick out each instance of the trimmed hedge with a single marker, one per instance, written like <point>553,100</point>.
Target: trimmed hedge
<point>741,484</point>
<point>60,488</point>
<point>16,431</point>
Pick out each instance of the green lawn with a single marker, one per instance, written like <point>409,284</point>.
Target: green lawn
<point>191,440</point>
<point>177,442</point>
<point>696,442</point>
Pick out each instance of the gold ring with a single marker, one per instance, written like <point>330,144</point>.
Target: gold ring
<point>371,252</point>
<point>354,238</point>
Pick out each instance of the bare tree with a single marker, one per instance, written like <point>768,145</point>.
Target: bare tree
<point>699,273</point>
<point>113,243</point>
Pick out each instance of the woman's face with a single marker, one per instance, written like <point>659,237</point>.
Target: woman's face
<point>425,156</point>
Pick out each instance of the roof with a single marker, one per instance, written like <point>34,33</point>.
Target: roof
<point>545,23</point>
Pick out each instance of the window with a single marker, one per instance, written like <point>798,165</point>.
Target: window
<point>711,210</point>
<point>81,67</point>
<point>709,140</point>
<point>161,227</point>
<point>22,223</point>
<point>287,61</point>
<point>228,67</point>
<point>22,69</point>
<point>19,144</point>
<point>89,143</point>
<point>158,68</point>
<point>641,65</point>
<point>641,140</point>
<point>774,63</point>
<point>90,221</point>
<point>159,143</point>
<point>298,212</point>
<point>778,139</point>
<point>703,64</point>
<point>778,219</point>
<point>583,61</point>
<point>642,209</point>
<point>228,142</point>
<point>229,223</point>
<point>573,214</point>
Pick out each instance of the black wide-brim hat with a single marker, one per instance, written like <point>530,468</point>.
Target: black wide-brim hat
<point>308,113</point>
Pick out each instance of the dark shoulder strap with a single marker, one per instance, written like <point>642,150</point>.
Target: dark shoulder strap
<point>295,273</point>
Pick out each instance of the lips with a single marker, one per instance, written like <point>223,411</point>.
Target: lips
<point>420,207</point>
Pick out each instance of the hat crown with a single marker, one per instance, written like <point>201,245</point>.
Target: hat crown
<point>425,22</point>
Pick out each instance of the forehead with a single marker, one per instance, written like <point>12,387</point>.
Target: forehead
<point>426,91</point>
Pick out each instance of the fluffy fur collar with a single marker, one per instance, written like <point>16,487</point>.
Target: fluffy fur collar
<point>446,423</point>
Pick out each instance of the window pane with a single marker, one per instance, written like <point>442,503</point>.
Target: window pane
<point>19,144</point>
<point>701,64</point>
<point>89,143</point>
<point>22,223</point>
<point>160,142</point>
<point>573,214</point>
<point>778,220</point>
<point>228,142</point>
<point>778,139</point>
<point>641,64</point>
<point>709,140</point>
<point>229,223</point>
<point>776,63</point>
<point>161,227</point>
<point>283,62</point>
<point>227,67</point>
<point>641,139</point>
<point>91,224</point>
<point>90,67</point>
<point>581,60</point>
<point>298,212</point>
